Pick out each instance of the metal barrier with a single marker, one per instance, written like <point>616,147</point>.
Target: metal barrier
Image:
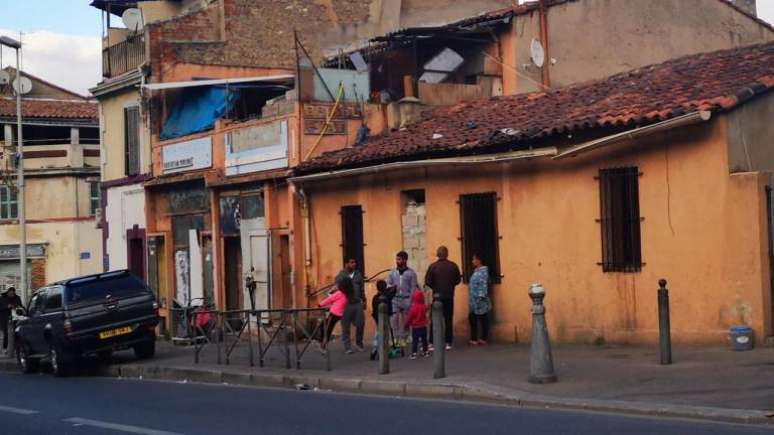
<point>290,331</point>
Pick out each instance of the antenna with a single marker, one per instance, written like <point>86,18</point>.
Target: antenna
<point>132,19</point>
<point>537,54</point>
<point>22,85</point>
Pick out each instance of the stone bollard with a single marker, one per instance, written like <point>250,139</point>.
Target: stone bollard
<point>664,334</point>
<point>541,364</point>
<point>439,354</point>
<point>384,352</point>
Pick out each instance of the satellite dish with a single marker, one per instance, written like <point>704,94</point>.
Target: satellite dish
<point>537,53</point>
<point>5,78</point>
<point>132,19</point>
<point>23,86</point>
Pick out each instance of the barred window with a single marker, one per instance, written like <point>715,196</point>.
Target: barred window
<point>478,222</point>
<point>620,219</point>
<point>94,197</point>
<point>352,245</point>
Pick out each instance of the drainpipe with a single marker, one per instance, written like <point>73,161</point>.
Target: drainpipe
<point>544,42</point>
<point>306,216</point>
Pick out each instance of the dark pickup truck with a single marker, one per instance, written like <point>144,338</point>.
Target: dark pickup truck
<point>94,314</point>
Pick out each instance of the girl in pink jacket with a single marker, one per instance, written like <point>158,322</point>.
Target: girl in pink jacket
<point>337,301</point>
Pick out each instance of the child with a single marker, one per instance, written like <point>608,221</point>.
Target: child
<point>388,294</point>
<point>417,321</point>
<point>337,301</point>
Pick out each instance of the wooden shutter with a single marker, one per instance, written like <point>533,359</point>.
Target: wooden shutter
<point>132,140</point>
<point>620,219</point>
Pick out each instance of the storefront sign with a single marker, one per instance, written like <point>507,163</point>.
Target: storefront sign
<point>11,252</point>
<point>187,156</point>
<point>258,148</point>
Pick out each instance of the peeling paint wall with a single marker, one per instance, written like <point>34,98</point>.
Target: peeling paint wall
<point>703,230</point>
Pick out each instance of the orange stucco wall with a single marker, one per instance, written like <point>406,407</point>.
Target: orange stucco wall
<point>703,230</point>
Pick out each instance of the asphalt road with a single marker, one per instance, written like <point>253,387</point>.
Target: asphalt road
<point>41,404</point>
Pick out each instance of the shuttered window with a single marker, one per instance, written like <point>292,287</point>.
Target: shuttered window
<point>352,245</point>
<point>478,222</point>
<point>132,140</point>
<point>620,219</point>
<point>9,205</point>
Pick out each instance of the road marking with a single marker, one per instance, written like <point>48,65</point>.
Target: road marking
<point>21,411</point>
<point>118,427</point>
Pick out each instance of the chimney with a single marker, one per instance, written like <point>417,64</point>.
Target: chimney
<point>748,5</point>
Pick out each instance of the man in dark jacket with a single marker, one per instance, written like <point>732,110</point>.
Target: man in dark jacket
<point>353,313</point>
<point>442,276</point>
<point>9,301</point>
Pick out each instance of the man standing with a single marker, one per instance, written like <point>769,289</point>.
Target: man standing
<point>9,301</point>
<point>404,280</point>
<point>353,313</point>
<point>442,276</point>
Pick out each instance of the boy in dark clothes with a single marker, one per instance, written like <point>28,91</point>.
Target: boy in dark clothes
<point>382,291</point>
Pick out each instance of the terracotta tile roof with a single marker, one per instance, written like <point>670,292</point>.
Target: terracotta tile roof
<point>57,109</point>
<point>710,81</point>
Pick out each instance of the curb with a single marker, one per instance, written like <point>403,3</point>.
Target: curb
<point>459,392</point>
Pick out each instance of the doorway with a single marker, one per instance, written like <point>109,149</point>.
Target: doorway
<point>135,245</point>
<point>770,228</point>
<point>285,271</point>
<point>233,272</point>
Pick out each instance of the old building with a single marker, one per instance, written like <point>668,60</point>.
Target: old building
<point>596,190</point>
<point>60,133</point>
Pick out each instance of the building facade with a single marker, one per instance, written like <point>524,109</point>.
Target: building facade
<point>61,165</point>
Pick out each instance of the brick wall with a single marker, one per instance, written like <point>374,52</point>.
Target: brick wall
<point>38,272</point>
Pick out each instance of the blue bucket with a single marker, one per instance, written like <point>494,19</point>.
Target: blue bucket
<point>741,338</point>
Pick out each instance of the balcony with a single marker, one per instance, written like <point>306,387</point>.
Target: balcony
<point>124,56</point>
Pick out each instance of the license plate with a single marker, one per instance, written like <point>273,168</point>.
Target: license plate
<point>115,332</point>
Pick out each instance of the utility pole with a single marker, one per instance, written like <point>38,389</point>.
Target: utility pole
<point>16,45</point>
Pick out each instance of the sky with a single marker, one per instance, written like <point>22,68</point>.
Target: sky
<point>62,38</point>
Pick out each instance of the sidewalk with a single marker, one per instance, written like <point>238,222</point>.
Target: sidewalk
<point>713,383</point>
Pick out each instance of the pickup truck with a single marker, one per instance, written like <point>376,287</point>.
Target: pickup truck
<point>88,315</point>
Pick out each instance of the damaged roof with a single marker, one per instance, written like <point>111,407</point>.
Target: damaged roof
<point>713,81</point>
<point>50,109</point>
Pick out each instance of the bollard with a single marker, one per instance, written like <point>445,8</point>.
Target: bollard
<point>664,334</point>
<point>384,352</point>
<point>541,364</point>
<point>439,354</point>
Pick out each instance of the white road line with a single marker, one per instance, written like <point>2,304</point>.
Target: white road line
<point>118,427</point>
<point>21,411</point>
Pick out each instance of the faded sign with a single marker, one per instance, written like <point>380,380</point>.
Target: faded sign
<point>322,111</point>
<point>187,156</point>
<point>11,252</point>
<point>258,148</point>
<point>356,84</point>
<point>182,282</point>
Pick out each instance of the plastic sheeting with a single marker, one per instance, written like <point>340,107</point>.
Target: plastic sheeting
<point>196,109</point>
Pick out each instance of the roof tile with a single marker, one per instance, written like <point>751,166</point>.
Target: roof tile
<point>58,109</point>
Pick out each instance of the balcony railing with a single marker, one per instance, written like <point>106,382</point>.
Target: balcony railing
<point>124,56</point>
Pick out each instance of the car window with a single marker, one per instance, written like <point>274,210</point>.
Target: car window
<point>99,288</point>
<point>54,299</point>
<point>36,304</point>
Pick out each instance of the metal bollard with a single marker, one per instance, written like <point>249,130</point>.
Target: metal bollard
<point>541,364</point>
<point>439,354</point>
<point>384,352</point>
<point>664,334</point>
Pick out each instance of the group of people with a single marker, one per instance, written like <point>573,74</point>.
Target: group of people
<point>407,305</point>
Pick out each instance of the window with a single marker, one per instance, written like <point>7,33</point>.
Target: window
<point>352,235</point>
<point>94,197</point>
<point>132,140</point>
<point>9,206</point>
<point>620,219</point>
<point>478,222</point>
<point>37,302</point>
<point>54,299</point>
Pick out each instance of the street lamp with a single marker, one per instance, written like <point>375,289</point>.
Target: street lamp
<point>16,45</point>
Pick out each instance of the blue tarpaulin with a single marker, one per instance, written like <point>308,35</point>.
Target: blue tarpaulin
<point>196,109</point>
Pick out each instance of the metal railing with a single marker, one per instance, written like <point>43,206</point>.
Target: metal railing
<point>123,56</point>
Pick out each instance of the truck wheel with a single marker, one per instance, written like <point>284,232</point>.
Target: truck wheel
<point>26,364</point>
<point>145,350</point>
<point>58,364</point>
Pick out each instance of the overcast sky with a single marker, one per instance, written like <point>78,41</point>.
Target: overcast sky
<point>62,43</point>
